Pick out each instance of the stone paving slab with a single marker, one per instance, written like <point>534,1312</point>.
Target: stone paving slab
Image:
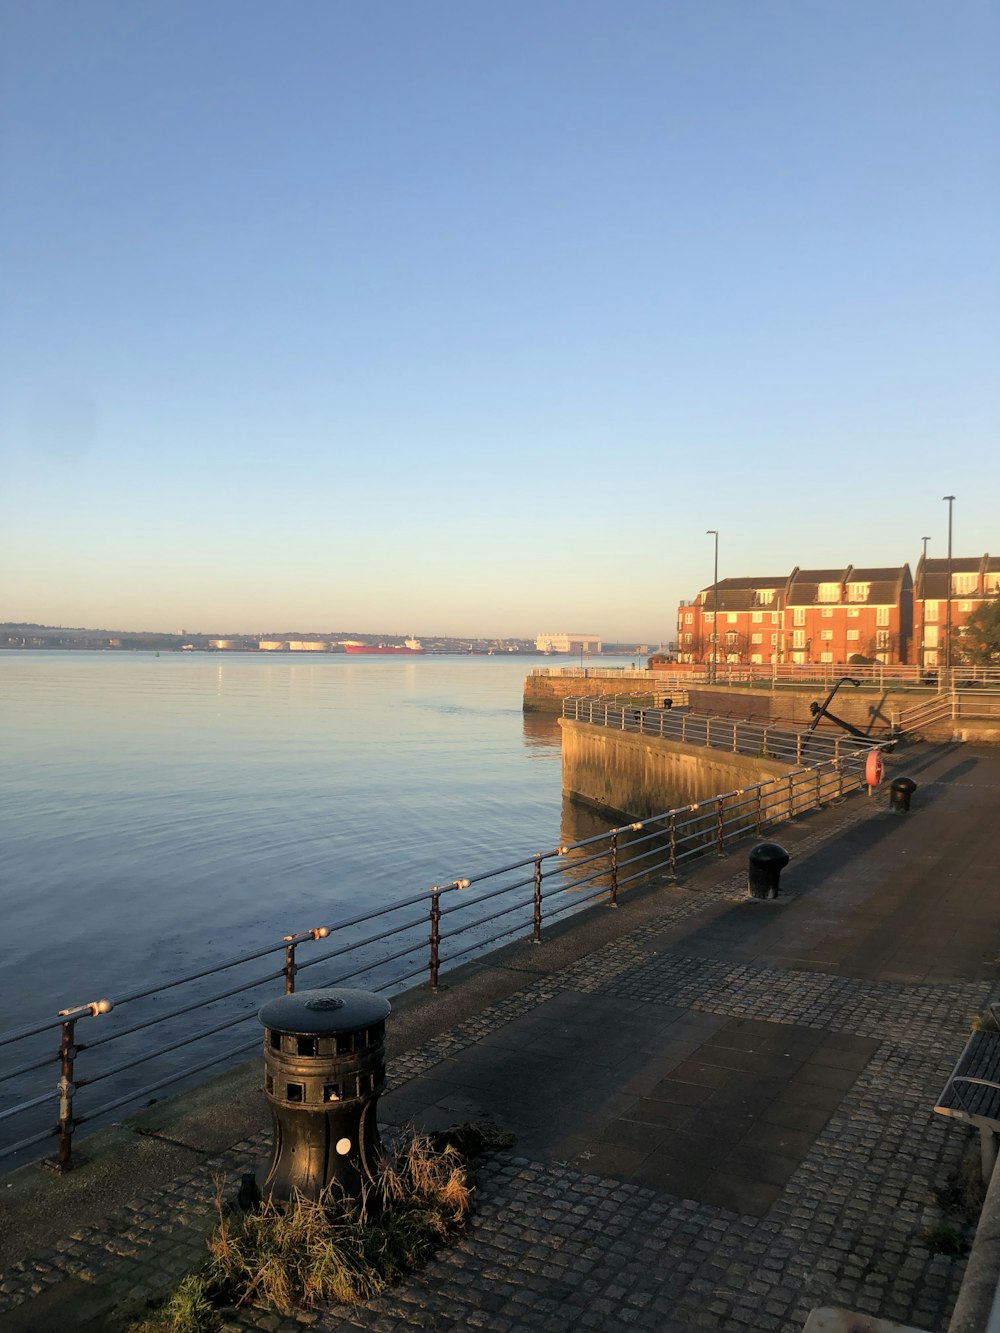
<point>813,1074</point>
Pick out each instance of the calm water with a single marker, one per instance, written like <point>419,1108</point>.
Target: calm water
<point>157,813</point>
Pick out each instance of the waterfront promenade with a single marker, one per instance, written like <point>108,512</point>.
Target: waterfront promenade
<point>722,1108</point>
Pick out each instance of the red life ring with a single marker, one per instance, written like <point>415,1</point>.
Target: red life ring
<point>874,768</point>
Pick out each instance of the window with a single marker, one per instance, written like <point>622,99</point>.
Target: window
<point>931,610</point>
<point>964,583</point>
<point>756,657</point>
<point>965,606</point>
<point>882,615</point>
<point>774,617</point>
<point>763,596</point>
<point>710,615</point>
<point>800,615</point>
<point>774,639</point>
<point>730,617</point>
<point>854,634</point>
<point>757,617</point>
<point>826,657</point>
<point>688,617</point>
<point>756,638</point>
<point>799,639</point>
<point>828,592</point>
<point>826,635</point>
<point>853,612</point>
<point>931,636</point>
<point>882,639</point>
<point>858,592</point>
<point>827,612</point>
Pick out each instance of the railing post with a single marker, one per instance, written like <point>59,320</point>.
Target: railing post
<point>798,748</point>
<point>290,967</point>
<point>791,797</point>
<point>765,742</point>
<point>708,733</point>
<point>536,910</point>
<point>735,751</point>
<point>819,789</point>
<point>759,811</point>
<point>684,729</point>
<point>720,828</point>
<point>614,869</point>
<point>63,1161</point>
<point>435,938</point>
<point>673,846</point>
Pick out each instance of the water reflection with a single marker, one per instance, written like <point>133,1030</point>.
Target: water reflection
<point>541,731</point>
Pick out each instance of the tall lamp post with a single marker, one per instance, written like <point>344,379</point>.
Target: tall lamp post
<point>947,626</point>
<point>923,604</point>
<point>711,532</point>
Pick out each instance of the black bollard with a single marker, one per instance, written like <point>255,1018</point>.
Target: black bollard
<point>767,861</point>
<point>324,1068</point>
<point>900,792</point>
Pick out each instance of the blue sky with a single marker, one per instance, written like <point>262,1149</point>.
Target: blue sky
<point>449,316</point>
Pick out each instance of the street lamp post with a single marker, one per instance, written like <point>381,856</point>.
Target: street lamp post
<point>947,625</point>
<point>711,532</point>
<point>923,604</point>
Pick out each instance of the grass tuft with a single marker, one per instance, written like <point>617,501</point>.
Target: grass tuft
<point>329,1250</point>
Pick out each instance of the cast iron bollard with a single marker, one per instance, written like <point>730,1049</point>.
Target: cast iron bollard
<point>767,861</point>
<point>323,1071</point>
<point>900,792</point>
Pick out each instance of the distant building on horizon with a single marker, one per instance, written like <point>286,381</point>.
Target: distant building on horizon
<point>568,643</point>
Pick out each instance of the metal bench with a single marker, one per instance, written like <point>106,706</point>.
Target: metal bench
<point>972,1093</point>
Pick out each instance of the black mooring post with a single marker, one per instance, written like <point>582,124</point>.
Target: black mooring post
<point>767,861</point>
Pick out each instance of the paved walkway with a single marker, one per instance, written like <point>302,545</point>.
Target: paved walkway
<point>721,1107</point>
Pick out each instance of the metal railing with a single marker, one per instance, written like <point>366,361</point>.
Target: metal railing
<point>763,740</point>
<point>787,673</point>
<point>386,949</point>
<point>952,706</point>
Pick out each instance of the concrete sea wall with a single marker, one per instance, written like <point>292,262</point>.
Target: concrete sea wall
<point>545,694</point>
<point>639,776</point>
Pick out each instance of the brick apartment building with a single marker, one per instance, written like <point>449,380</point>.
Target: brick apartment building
<point>810,615</point>
<point>974,580</point>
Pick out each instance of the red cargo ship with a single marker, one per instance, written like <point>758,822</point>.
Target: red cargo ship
<point>406,649</point>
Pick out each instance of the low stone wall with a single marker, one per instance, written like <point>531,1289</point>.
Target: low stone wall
<point>638,776</point>
<point>546,693</point>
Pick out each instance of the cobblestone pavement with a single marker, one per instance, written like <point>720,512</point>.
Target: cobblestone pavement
<point>552,1246</point>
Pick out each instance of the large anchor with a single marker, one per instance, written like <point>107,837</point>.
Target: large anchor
<point>823,710</point>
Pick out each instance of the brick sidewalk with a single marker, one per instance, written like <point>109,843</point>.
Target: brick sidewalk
<point>722,1111</point>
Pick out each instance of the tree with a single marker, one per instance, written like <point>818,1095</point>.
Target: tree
<point>977,642</point>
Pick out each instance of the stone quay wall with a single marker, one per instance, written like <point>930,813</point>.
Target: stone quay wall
<point>638,776</point>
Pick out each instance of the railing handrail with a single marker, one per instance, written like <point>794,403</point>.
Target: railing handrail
<point>547,883</point>
<point>776,674</point>
<point>772,739</point>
